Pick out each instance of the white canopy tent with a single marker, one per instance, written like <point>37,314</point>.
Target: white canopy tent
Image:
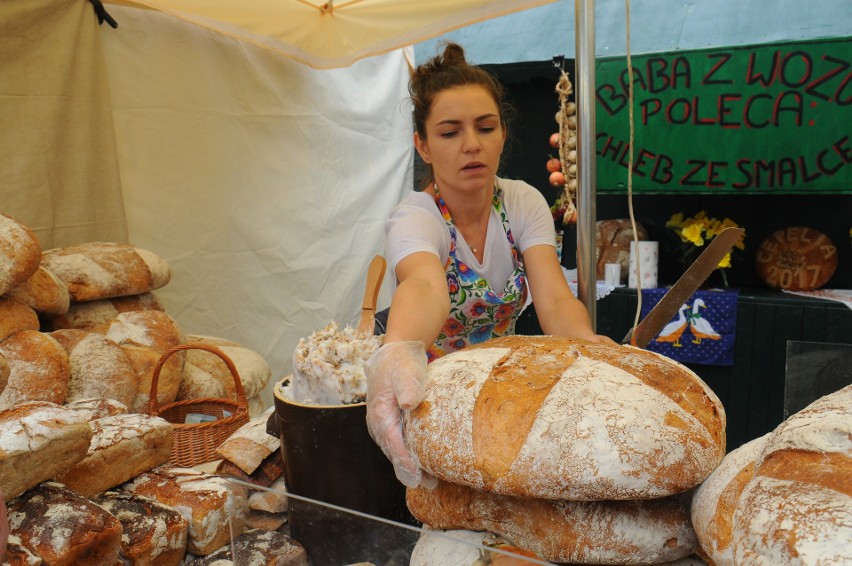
<point>264,183</point>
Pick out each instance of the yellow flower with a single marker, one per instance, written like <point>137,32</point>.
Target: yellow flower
<point>676,221</point>
<point>692,233</point>
<point>726,261</point>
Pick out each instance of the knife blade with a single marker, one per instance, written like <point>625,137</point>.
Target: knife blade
<point>683,288</point>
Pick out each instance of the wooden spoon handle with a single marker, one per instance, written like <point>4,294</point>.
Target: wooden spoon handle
<point>375,274</point>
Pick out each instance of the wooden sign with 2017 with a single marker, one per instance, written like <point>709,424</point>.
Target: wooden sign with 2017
<point>796,259</point>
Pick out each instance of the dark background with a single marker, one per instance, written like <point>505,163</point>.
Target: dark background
<point>530,89</point>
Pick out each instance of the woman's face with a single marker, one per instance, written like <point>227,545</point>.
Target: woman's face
<point>464,139</point>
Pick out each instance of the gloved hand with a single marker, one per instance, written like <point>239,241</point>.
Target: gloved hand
<point>395,374</point>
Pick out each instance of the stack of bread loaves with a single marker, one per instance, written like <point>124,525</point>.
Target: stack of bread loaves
<point>784,498</point>
<point>577,452</point>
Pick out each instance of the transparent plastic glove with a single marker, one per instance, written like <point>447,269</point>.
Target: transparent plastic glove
<point>395,374</point>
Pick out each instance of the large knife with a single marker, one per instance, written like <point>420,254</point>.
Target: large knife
<point>688,283</point>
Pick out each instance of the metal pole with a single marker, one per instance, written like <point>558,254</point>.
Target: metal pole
<point>586,194</point>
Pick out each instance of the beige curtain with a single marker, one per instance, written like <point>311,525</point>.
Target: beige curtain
<point>58,165</point>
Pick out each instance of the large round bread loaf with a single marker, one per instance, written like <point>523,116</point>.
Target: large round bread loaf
<point>798,507</point>
<point>44,292</point>
<point>586,532</point>
<point>96,315</point>
<point>556,418</point>
<point>100,270</point>
<point>38,369</point>
<point>464,548</point>
<point>20,253</point>
<point>99,367</point>
<point>716,499</point>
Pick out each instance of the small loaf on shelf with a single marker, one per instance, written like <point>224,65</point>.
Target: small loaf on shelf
<point>257,547</point>
<point>37,441</point>
<point>43,292</point>
<point>213,506</point>
<point>154,534</point>
<point>588,532</point>
<point>249,445</point>
<point>39,369</point>
<point>100,270</point>
<point>122,447</point>
<point>64,528</point>
<point>556,418</point>
<point>99,367</point>
<point>20,253</point>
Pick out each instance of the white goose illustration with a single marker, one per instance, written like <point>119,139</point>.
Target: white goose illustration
<point>699,326</point>
<point>673,330</point>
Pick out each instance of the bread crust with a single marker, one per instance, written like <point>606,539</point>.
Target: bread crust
<point>587,532</point>
<point>20,253</point>
<point>39,369</point>
<point>556,418</point>
<point>16,316</point>
<point>43,292</point>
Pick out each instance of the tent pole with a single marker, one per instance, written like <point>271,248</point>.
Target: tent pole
<point>586,196</point>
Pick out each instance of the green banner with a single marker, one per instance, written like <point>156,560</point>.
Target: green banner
<point>761,119</point>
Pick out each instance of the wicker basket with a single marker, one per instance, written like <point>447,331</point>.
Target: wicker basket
<point>196,443</point>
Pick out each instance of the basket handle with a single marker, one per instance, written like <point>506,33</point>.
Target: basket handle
<point>153,403</point>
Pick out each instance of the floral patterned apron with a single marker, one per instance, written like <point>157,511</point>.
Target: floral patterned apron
<point>477,312</point>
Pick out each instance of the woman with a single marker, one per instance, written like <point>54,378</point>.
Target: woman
<point>465,251</point>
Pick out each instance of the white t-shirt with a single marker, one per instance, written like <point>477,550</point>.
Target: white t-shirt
<point>416,225</point>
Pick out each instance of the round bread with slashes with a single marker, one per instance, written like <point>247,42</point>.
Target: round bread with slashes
<point>556,418</point>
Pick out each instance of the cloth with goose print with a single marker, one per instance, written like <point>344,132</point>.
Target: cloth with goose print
<point>702,331</point>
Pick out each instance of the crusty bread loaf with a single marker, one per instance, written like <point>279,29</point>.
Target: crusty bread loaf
<point>96,315</point>
<point>249,445</point>
<point>213,506</point>
<point>92,409</point>
<point>265,520</point>
<point>64,528</point>
<point>464,548</point>
<point>715,500</point>
<point>154,534</point>
<point>100,270</point>
<point>588,532</point>
<point>206,375</point>
<point>5,370</point>
<point>38,369</point>
<point>19,555</point>
<point>99,367</point>
<point>145,336</point>
<point>20,253</point>
<point>38,440</point>
<point>44,292</point>
<point>798,507</point>
<point>272,499</point>
<point>556,418</point>
<point>257,548</point>
<point>613,239</point>
<point>15,316</point>
<point>122,447</point>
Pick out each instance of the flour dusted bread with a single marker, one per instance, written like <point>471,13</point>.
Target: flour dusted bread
<point>556,418</point>
<point>206,501</point>
<point>716,499</point>
<point>257,547</point>
<point>19,555</point>
<point>588,532</point>
<point>99,367</point>
<point>20,253</point>
<point>464,548</point>
<point>39,369</point>
<point>145,336</point>
<point>16,316</point>
<point>206,375</point>
<point>96,315</point>
<point>249,445</point>
<point>43,292</point>
<point>64,528</point>
<point>100,270</point>
<point>798,507</point>
<point>153,534</point>
<point>122,447</point>
<point>37,441</point>
<point>91,409</point>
